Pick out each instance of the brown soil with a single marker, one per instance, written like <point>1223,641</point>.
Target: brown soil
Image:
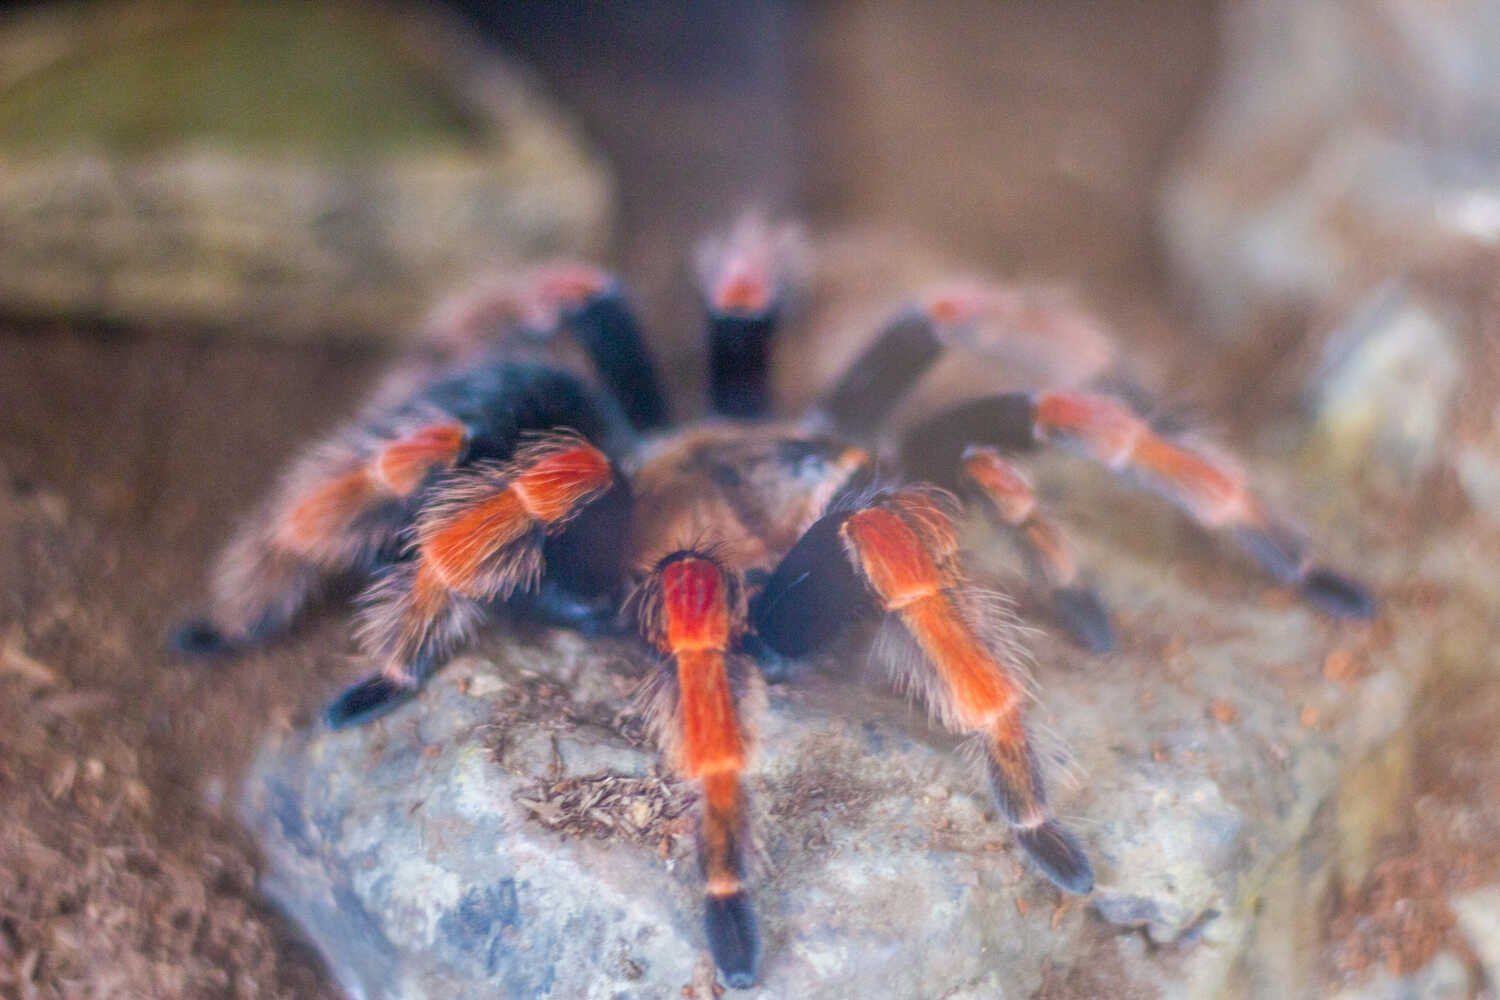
<point>125,459</point>
<point>1399,917</point>
<point>1448,838</point>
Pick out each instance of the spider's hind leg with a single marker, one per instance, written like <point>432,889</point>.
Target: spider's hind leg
<point>1009,498</point>
<point>594,307</point>
<point>1210,489</point>
<point>745,278</point>
<point>560,296</point>
<point>260,592</point>
<point>1039,329</point>
<point>1206,487</point>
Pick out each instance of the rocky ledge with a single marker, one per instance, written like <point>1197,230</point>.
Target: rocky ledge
<point>510,834</point>
<point>305,169</point>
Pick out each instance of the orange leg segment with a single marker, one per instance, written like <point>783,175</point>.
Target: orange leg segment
<point>334,512</point>
<point>967,682</point>
<point>1009,497</point>
<point>692,608</point>
<point>480,538</point>
<point>1211,490</point>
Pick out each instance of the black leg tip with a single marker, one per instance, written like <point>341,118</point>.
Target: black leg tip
<point>1085,618</point>
<point>733,938</point>
<point>199,639</point>
<point>367,700</point>
<point>1058,855</point>
<point>1337,595</point>
<point>738,980</point>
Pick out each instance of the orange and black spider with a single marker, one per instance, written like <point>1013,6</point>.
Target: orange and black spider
<point>498,472</point>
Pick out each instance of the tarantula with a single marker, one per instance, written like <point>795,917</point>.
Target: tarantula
<point>490,473</point>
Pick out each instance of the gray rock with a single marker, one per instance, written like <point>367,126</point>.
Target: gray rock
<point>386,159</point>
<point>508,833</point>
<point>1478,913</point>
<point>1342,138</point>
<point>1384,390</point>
<point>1443,978</point>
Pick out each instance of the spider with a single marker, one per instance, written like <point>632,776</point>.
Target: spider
<point>499,471</point>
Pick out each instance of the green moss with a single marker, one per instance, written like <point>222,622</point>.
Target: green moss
<point>259,76</point>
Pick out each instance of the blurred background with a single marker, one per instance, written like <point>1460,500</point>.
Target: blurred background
<point>218,221</point>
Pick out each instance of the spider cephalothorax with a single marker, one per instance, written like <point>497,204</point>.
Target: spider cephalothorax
<point>496,470</point>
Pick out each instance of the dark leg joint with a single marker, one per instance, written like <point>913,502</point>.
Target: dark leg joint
<point>813,596</point>
<point>607,329</point>
<point>1281,555</point>
<point>199,638</point>
<point>934,449</point>
<point>881,377</point>
<point>1057,854</point>
<point>1277,552</point>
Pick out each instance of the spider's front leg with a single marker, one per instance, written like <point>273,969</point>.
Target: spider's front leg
<point>485,533</point>
<point>338,511</point>
<point>898,557</point>
<point>692,609</point>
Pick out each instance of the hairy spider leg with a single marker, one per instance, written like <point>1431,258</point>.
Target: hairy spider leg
<point>605,324</point>
<point>692,608</point>
<point>882,374</point>
<point>1041,330</point>
<point>337,511</point>
<point>744,279</point>
<point>341,509</point>
<point>813,597</point>
<point>480,536</point>
<point>1009,498</point>
<point>1103,429</point>
<point>739,358</point>
<point>898,557</point>
<point>504,311</point>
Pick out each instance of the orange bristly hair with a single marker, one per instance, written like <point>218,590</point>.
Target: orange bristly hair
<point>904,573</point>
<point>402,465</point>
<point>692,608</point>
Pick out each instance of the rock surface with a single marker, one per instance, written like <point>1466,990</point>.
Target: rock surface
<point>1444,978</point>
<point>1478,913</point>
<point>509,835</point>
<point>300,169</point>
<point>1392,346</point>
